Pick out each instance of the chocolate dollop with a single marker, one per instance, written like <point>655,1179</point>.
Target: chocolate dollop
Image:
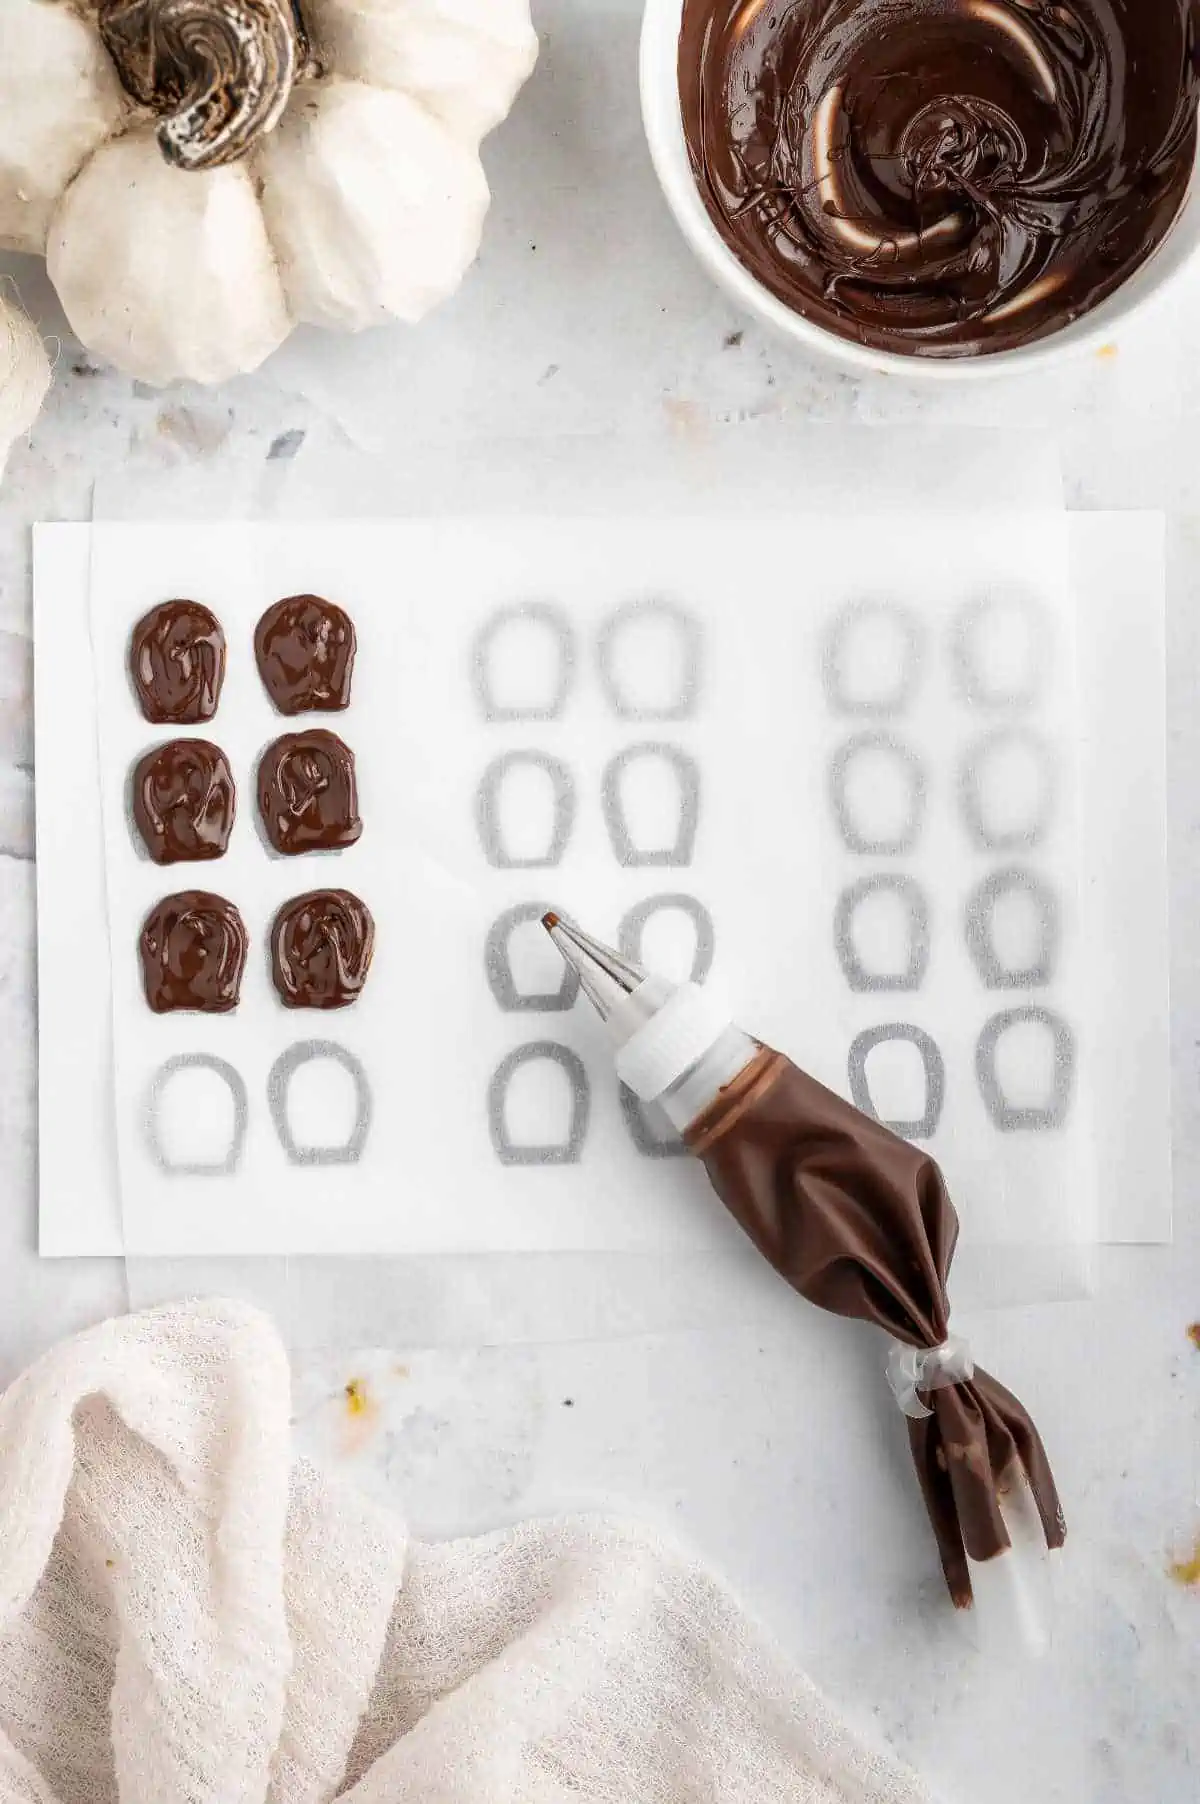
<point>184,800</point>
<point>193,948</point>
<point>307,792</point>
<point>321,946</point>
<point>942,177</point>
<point>305,650</point>
<point>177,662</point>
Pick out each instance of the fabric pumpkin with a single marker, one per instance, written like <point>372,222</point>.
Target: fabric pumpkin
<point>202,175</point>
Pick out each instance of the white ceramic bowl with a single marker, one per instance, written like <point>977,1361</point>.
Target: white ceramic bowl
<point>668,151</point>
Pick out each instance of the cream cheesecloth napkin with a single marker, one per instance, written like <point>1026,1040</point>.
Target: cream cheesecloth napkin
<point>189,1617</point>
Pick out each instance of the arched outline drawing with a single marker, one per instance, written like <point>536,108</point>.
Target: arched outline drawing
<point>970,789</point>
<point>688,628</point>
<point>234,1082</point>
<point>932,1062</point>
<point>634,922</point>
<point>969,680</point>
<point>833,671</point>
<point>487,810</point>
<point>279,1080</point>
<point>687,773</point>
<point>564,1152</point>
<point>558,623</point>
<point>639,1118</point>
<point>1005,1116</point>
<point>979,922</point>
<point>848,905</point>
<point>498,967</point>
<point>839,775</point>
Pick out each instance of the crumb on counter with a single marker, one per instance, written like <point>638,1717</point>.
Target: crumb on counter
<point>358,1398</point>
<point>1187,1572</point>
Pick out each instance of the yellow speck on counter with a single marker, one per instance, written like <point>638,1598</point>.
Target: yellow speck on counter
<point>1106,353</point>
<point>1187,1572</point>
<point>360,1417</point>
<point>686,419</point>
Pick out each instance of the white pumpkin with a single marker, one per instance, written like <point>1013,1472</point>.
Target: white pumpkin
<point>202,175</point>
<point>24,376</point>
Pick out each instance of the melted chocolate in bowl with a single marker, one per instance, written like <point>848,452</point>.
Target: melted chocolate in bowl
<point>941,177</point>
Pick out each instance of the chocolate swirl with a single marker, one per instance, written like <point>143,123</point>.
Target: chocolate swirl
<point>321,946</point>
<point>193,948</point>
<point>184,800</point>
<point>307,793</point>
<point>177,662</point>
<point>945,177</point>
<point>305,650</point>
<point>220,70</point>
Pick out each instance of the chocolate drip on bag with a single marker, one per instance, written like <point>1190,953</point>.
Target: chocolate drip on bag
<point>861,1223</point>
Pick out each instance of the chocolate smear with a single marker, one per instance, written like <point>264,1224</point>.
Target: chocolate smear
<point>321,946</point>
<point>177,662</point>
<point>193,949</point>
<point>861,1223</point>
<point>941,177</point>
<point>307,793</point>
<point>184,800</point>
<point>305,650</point>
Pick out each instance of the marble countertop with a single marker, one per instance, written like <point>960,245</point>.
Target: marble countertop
<point>771,1446</point>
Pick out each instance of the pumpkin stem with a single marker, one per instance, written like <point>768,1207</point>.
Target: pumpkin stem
<point>219,72</point>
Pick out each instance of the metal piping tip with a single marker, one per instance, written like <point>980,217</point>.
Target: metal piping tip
<point>605,977</point>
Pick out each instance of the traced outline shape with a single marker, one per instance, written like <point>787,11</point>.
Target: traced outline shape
<point>978,926</point>
<point>635,920</point>
<point>1005,1116</point>
<point>970,788</point>
<point>236,1084</point>
<point>487,814</point>
<point>639,1118</point>
<point>559,623</point>
<point>498,966</point>
<point>968,681</point>
<point>848,905</point>
<point>918,794</point>
<point>279,1080</point>
<point>565,1152</point>
<point>690,638</point>
<point>932,1062</point>
<point>687,773</point>
<point>833,675</point>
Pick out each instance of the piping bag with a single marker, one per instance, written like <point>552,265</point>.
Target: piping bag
<point>858,1221</point>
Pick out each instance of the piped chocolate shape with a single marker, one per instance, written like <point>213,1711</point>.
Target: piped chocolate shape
<point>321,947</point>
<point>305,647</point>
<point>177,663</point>
<point>184,801</point>
<point>308,794</point>
<point>193,951</point>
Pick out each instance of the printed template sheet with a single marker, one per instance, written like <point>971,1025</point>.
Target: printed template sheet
<point>859,790</point>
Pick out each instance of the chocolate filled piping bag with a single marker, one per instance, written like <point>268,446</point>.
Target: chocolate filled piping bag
<point>859,1222</point>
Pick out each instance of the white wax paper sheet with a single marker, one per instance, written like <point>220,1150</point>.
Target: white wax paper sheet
<point>522,1296</point>
<point>794,772</point>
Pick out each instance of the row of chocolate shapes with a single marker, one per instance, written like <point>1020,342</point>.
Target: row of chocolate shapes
<point>185,799</point>
<point>193,949</point>
<point>304,647</point>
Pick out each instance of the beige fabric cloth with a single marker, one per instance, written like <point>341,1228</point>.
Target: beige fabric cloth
<point>188,1617</point>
